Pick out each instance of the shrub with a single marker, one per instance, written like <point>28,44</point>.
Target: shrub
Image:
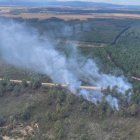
<point>86,137</point>
<point>2,121</point>
<point>26,115</point>
<point>1,138</point>
<point>36,83</point>
<point>59,130</point>
<point>17,90</point>
<point>24,84</point>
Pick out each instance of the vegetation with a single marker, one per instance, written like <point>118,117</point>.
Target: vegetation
<point>54,113</point>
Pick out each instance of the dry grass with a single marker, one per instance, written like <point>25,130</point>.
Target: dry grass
<point>6,11</point>
<point>71,16</point>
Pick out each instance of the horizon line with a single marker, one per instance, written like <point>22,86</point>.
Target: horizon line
<point>62,1</point>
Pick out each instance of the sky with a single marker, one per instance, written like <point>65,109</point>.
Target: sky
<point>125,2</point>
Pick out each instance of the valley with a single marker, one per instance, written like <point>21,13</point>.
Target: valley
<point>69,73</point>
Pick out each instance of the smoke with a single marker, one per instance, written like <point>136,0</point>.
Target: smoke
<point>22,47</point>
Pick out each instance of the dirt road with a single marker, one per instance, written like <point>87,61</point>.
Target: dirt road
<point>135,78</point>
<point>54,85</point>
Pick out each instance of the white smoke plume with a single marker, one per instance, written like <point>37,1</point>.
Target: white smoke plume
<point>22,47</point>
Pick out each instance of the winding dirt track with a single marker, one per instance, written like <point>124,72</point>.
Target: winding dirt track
<point>54,85</point>
<point>135,78</point>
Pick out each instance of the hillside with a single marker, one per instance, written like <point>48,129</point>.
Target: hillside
<point>76,4</point>
<point>32,113</point>
<point>62,3</point>
<point>95,51</point>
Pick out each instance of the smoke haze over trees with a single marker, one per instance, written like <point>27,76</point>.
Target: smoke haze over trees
<point>22,47</point>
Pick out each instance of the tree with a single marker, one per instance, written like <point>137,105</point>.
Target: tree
<point>24,83</point>
<point>36,83</point>
<point>133,109</point>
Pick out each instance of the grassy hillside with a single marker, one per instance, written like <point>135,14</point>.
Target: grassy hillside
<point>32,113</point>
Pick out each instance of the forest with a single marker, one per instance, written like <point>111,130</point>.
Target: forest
<point>45,113</point>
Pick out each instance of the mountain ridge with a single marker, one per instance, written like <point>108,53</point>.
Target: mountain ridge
<point>69,3</point>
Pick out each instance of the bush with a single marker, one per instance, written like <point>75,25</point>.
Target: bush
<point>36,83</point>
<point>24,84</point>
<point>59,130</point>
<point>1,138</point>
<point>1,92</point>
<point>86,137</point>
<point>133,110</point>
<point>2,121</point>
<point>17,90</point>
<point>26,115</point>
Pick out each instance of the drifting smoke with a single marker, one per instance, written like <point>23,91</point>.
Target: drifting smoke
<point>23,47</point>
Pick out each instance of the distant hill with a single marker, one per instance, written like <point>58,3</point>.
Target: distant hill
<point>68,3</point>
